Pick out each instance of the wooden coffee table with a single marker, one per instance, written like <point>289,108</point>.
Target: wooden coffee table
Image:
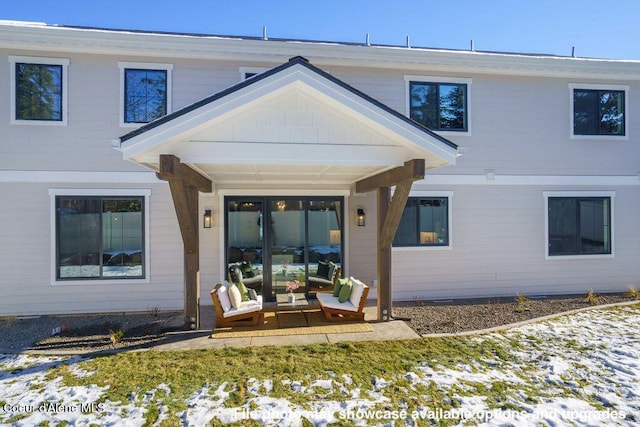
<point>300,303</point>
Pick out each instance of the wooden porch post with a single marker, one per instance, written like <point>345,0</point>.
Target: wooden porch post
<point>383,262</point>
<point>185,183</point>
<point>389,214</point>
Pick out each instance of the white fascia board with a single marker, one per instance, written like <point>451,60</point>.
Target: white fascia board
<point>23,36</point>
<point>290,154</point>
<point>85,177</point>
<point>528,180</point>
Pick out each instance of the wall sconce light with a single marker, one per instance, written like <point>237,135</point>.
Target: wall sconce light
<point>360,217</point>
<point>207,218</point>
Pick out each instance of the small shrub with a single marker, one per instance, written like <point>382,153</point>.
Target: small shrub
<point>632,292</point>
<point>155,311</point>
<point>522,301</point>
<point>116,336</point>
<point>417,301</point>
<point>11,320</point>
<point>592,297</point>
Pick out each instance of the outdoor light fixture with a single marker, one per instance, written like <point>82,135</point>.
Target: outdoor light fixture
<point>207,218</point>
<point>360,217</point>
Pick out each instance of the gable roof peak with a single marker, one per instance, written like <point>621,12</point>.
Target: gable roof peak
<point>299,59</point>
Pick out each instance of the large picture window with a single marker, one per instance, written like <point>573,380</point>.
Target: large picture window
<point>579,225</point>
<point>100,237</point>
<point>38,93</point>
<point>425,222</point>
<point>439,104</point>
<point>146,92</point>
<point>599,111</point>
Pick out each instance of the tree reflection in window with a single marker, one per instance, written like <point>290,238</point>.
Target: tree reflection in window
<point>439,106</point>
<point>145,96</point>
<point>598,112</point>
<point>38,92</point>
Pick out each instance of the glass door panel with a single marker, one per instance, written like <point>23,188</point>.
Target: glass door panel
<point>325,243</point>
<point>287,239</point>
<point>245,239</point>
<point>273,242</point>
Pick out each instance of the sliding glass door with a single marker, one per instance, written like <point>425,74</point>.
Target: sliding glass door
<point>275,242</point>
<point>287,244</point>
<point>244,238</point>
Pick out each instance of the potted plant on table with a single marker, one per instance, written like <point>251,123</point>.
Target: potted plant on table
<point>292,286</point>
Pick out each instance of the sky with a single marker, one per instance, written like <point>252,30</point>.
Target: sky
<point>599,29</point>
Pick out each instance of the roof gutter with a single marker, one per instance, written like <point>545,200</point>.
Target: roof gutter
<point>40,37</point>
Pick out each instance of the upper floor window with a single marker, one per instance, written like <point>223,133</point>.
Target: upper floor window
<point>599,111</point>
<point>146,92</point>
<point>579,223</point>
<point>439,104</point>
<point>38,90</point>
<point>426,221</point>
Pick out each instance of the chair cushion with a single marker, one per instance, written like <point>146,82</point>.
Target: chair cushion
<point>237,275</point>
<point>245,307</point>
<point>345,292</point>
<point>356,292</point>
<point>234,296</point>
<point>223,297</point>
<point>339,284</point>
<point>323,269</point>
<point>331,302</point>
<point>244,293</point>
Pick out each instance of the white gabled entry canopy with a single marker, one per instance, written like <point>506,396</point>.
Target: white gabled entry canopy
<point>292,126</point>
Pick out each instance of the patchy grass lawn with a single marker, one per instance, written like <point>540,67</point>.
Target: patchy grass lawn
<point>576,369</point>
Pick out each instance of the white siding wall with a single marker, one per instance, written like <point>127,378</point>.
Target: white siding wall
<point>498,249</point>
<point>362,240</point>
<point>519,126</point>
<point>25,281</point>
<point>212,270</point>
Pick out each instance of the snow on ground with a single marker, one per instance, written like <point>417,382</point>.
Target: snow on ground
<point>582,369</point>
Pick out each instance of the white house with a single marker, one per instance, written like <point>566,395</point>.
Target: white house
<point>138,169</point>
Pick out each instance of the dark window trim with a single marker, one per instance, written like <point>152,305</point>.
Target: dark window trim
<point>60,92</point>
<point>578,242</point>
<point>144,255</point>
<point>599,93</point>
<point>437,84</point>
<point>126,91</point>
<point>445,244</point>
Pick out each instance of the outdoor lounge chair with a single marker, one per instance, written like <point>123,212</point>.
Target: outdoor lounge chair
<point>351,309</point>
<point>324,280</point>
<point>247,313</point>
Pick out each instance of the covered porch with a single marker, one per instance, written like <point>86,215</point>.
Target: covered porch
<point>294,130</point>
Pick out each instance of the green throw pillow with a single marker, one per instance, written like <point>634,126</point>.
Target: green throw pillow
<point>244,292</point>
<point>345,292</point>
<point>339,284</point>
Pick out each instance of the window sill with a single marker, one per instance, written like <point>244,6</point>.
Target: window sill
<point>39,122</point>
<point>601,137</point>
<point>84,282</point>
<point>581,257</point>
<point>450,133</point>
<point>421,248</point>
